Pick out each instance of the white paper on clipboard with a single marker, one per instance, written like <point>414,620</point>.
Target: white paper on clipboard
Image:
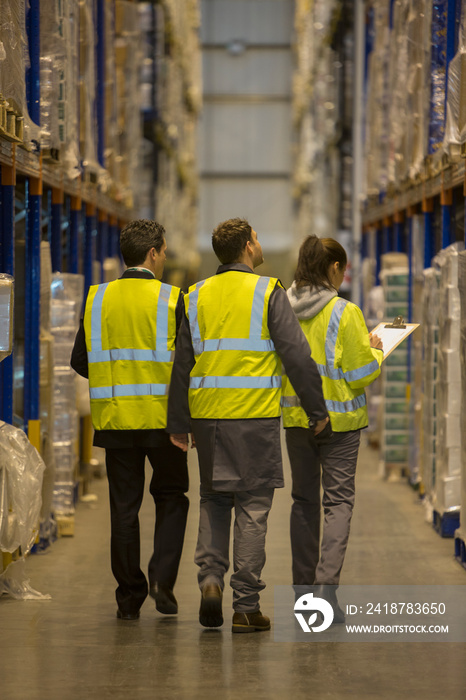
<point>392,337</point>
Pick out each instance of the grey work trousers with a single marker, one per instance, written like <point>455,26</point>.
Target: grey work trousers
<point>338,460</point>
<point>212,552</point>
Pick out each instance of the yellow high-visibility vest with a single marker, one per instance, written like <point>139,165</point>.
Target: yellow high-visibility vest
<point>130,329</point>
<point>237,372</point>
<point>340,346</point>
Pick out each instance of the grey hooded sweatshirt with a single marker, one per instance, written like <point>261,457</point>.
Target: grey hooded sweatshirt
<point>308,301</point>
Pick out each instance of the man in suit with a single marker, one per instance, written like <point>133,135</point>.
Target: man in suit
<point>125,346</point>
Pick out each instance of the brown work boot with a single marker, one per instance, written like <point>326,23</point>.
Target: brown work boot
<point>210,612</point>
<point>250,622</point>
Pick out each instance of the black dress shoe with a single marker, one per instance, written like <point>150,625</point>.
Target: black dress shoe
<point>165,601</point>
<point>127,616</point>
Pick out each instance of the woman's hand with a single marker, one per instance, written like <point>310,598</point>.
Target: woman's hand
<point>375,341</point>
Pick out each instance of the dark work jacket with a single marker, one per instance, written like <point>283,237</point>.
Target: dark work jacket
<point>120,438</point>
<point>242,455</point>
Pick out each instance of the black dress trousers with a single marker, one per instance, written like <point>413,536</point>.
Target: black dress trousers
<point>169,483</point>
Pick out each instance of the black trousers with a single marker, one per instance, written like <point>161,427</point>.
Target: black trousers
<point>169,483</point>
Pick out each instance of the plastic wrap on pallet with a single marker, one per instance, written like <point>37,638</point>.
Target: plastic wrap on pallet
<point>446,489</point>
<point>462,288</point>
<point>59,83</point>
<point>45,286</point>
<point>455,126</point>
<point>398,69</point>
<point>438,75</point>
<point>21,473</point>
<point>87,88</point>
<point>6,315</point>
<point>15,122</point>
<point>430,321</point>
<point>418,85</point>
<point>128,59</point>
<point>396,433</point>
<point>377,125</point>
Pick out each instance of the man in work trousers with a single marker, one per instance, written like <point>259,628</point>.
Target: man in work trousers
<point>226,387</point>
<point>125,346</point>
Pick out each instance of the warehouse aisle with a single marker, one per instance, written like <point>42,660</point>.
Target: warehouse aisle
<point>72,647</point>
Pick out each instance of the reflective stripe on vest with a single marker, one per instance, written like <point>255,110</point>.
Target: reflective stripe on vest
<point>193,322</point>
<point>110,392</point>
<point>131,355</point>
<point>96,317</point>
<point>335,406</point>
<point>352,375</point>
<point>235,382</point>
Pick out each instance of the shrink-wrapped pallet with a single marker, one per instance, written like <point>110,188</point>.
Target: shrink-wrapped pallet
<point>461,533</point>
<point>6,315</point>
<point>67,294</point>
<point>446,487</point>
<point>15,123</point>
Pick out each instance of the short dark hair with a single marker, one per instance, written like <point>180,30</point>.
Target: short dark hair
<point>315,257</point>
<point>137,238</point>
<point>229,239</point>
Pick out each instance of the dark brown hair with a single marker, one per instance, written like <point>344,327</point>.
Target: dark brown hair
<point>315,257</point>
<point>229,240</point>
<point>137,238</point>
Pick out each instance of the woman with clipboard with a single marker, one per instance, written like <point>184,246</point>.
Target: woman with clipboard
<point>348,359</point>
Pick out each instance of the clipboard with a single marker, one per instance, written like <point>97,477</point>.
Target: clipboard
<point>392,334</point>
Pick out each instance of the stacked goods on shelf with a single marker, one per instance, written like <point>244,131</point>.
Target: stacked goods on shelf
<point>460,534</point>
<point>378,102</point>
<point>438,73</point>
<point>396,435</point>
<point>178,102</point>
<point>321,181</point>
<point>87,87</point>
<point>67,294</point>
<point>397,67</point>
<point>111,126</point>
<point>418,86</point>
<point>127,61</point>
<point>15,122</point>
<point>406,120</point>
<point>430,341</point>
<point>59,83</point>
<point>447,487</point>
<point>455,127</point>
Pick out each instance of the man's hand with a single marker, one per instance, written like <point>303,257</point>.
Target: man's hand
<point>181,440</point>
<point>320,425</point>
